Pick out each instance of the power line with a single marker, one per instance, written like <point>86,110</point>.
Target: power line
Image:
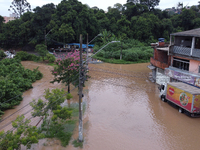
<point>21,94</point>
<point>21,109</point>
<point>38,113</point>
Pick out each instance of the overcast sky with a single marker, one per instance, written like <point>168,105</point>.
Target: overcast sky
<point>102,4</point>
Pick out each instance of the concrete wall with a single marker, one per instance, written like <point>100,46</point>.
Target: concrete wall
<point>194,66</point>
<point>7,19</point>
<point>161,77</point>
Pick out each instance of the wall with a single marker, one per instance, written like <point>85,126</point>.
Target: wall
<point>161,77</point>
<point>161,56</point>
<point>7,19</point>
<point>194,66</point>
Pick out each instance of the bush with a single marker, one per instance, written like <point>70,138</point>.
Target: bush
<point>2,54</point>
<point>51,58</point>
<point>14,80</point>
<point>42,50</point>
<point>23,56</point>
<point>116,55</point>
<point>132,50</point>
<point>131,56</point>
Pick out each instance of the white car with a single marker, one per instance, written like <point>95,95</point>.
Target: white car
<point>9,55</point>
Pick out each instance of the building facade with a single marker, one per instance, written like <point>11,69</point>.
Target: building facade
<point>10,18</point>
<point>184,51</point>
<point>159,62</point>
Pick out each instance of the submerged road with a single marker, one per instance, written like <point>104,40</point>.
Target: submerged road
<point>123,112</point>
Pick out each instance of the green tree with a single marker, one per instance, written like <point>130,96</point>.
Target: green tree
<point>150,3</point>
<point>124,26</point>
<point>24,135</point>
<point>1,23</point>
<point>42,50</point>
<point>188,17</point>
<point>2,54</point>
<point>66,32</point>
<point>54,99</point>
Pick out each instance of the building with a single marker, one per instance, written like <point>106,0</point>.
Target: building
<point>12,17</point>
<point>159,62</point>
<point>184,51</point>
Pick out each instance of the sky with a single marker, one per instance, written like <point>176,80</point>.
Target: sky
<point>102,4</point>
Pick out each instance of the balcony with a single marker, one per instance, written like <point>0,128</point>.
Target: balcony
<point>185,51</point>
<point>158,63</point>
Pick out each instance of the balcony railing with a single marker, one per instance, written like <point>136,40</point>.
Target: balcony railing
<point>196,53</point>
<point>186,51</point>
<point>158,63</point>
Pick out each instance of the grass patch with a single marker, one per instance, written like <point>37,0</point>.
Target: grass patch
<point>52,64</point>
<point>118,61</point>
<point>76,143</point>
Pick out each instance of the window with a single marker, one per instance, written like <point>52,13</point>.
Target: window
<point>181,63</point>
<point>199,69</point>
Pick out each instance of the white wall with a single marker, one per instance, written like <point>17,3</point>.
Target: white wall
<point>161,77</point>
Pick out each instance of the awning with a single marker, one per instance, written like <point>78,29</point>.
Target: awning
<point>184,76</point>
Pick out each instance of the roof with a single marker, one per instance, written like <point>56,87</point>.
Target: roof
<point>83,45</point>
<point>193,33</point>
<point>186,87</point>
<point>163,48</point>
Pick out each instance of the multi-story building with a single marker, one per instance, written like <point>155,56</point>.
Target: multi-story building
<point>180,61</point>
<point>159,62</point>
<point>184,51</point>
<point>12,17</point>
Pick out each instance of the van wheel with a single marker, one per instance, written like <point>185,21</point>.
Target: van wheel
<point>163,99</point>
<point>180,110</point>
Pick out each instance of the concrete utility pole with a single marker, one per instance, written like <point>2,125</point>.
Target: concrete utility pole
<point>80,137</point>
<point>87,53</point>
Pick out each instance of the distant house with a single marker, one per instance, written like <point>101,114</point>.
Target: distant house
<point>12,17</point>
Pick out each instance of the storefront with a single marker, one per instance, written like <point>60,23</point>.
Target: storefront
<point>184,76</point>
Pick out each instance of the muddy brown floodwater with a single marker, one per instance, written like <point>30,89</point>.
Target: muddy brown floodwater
<point>123,112</point>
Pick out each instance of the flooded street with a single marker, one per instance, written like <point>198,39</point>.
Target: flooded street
<point>35,93</point>
<point>123,111</point>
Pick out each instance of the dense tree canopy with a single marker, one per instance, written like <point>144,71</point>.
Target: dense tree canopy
<point>137,19</point>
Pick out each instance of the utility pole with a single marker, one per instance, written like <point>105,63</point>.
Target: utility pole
<point>87,53</point>
<point>80,137</point>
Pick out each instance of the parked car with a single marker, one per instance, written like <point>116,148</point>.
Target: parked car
<point>9,55</point>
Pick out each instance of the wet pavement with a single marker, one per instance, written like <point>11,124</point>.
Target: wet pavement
<point>123,111</point>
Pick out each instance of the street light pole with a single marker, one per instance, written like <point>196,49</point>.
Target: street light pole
<point>81,76</point>
<point>87,47</point>
<point>46,36</point>
<point>100,50</point>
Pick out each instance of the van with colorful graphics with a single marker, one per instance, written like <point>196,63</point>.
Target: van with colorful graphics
<point>185,96</point>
